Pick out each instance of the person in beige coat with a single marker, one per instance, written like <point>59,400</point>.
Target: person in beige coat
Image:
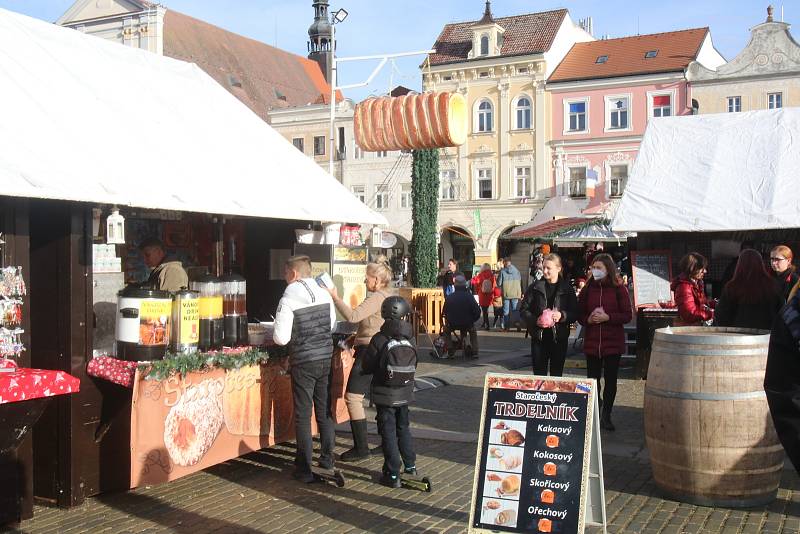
<point>166,275</point>
<point>368,317</point>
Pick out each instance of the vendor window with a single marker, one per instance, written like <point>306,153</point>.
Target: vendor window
<point>382,197</point>
<point>662,105</point>
<point>522,182</point>
<point>576,117</point>
<point>405,196</point>
<point>447,184</point>
<point>485,184</point>
<point>619,175</point>
<point>299,144</point>
<point>734,104</point>
<point>360,193</point>
<point>775,100</point>
<point>618,114</point>
<point>577,182</point>
<point>319,145</point>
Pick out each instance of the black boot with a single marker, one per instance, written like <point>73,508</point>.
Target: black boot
<point>605,421</point>
<point>360,448</point>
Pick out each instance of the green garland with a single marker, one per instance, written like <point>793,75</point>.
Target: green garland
<point>425,209</point>
<point>200,361</point>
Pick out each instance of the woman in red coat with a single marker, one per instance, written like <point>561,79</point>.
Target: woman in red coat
<point>689,290</point>
<point>484,284</point>
<point>604,308</point>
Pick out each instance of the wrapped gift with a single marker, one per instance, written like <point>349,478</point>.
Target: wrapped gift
<point>117,371</point>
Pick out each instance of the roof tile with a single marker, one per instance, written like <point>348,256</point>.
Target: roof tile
<point>626,56</point>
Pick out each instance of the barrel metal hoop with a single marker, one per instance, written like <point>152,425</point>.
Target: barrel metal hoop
<point>678,349</point>
<point>730,472</point>
<point>704,396</point>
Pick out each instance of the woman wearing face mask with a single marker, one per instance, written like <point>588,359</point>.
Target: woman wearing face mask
<point>604,308</point>
<point>548,308</point>
<point>690,296</point>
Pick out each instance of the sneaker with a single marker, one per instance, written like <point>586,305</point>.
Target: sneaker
<point>410,471</point>
<point>303,476</point>
<point>392,481</point>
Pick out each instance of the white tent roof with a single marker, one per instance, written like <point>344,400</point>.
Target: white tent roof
<point>85,119</point>
<point>722,172</point>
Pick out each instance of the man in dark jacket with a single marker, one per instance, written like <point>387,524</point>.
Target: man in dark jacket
<point>391,402</point>
<point>782,378</point>
<point>460,313</point>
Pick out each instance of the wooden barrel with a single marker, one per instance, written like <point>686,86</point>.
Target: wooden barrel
<point>706,418</point>
<point>414,121</point>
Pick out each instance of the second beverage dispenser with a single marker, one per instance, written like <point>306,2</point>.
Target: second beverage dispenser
<point>234,295</point>
<point>210,311</point>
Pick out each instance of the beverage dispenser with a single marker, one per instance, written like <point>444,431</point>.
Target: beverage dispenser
<point>234,304</point>
<point>185,321</point>
<point>210,312</point>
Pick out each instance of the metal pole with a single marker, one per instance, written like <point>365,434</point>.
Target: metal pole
<point>333,97</point>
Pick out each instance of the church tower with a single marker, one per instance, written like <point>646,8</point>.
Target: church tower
<point>319,38</point>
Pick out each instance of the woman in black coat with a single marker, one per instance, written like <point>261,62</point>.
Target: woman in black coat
<point>751,299</point>
<point>555,294</point>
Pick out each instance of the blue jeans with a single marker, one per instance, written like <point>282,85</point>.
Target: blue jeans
<point>509,305</point>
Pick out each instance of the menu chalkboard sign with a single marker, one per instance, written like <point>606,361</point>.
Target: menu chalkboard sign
<point>533,463</point>
<point>652,275</point>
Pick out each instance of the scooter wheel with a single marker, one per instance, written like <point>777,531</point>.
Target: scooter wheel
<point>428,483</point>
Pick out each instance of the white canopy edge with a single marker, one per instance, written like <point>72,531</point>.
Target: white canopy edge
<point>721,172</point>
<point>84,119</point>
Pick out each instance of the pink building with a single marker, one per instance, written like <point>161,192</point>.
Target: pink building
<point>603,94</point>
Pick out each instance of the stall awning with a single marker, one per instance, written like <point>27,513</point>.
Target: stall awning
<point>719,172</point>
<point>547,229</point>
<point>84,119</point>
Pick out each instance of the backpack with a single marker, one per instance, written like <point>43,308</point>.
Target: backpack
<point>398,363</point>
<point>486,286</point>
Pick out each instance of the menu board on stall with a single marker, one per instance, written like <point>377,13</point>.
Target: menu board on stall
<point>348,272</point>
<point>652,274</point>
<point>539,464</point>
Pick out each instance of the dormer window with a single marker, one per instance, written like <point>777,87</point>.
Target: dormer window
<point>484,45</point>
<point>601,59</point>
<point>650,54</point>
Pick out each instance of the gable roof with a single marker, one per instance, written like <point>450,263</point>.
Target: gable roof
<point>524,34</point>
<point>626,56</point>
<point>259,75</point>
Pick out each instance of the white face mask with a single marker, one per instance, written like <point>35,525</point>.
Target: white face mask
<point>598,274</point>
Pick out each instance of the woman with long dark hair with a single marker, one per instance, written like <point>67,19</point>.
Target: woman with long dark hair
<point>780,259</point>
<point>690,295</point>
<point>751,299</point>
<point>604,308</point>
<point>548,308</point>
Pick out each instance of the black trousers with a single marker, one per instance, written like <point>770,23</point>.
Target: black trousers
<point>396,438</point>
<point>548,353</point>
<point>608,367</point>
<point>311,387</point>
<point>485,312</point>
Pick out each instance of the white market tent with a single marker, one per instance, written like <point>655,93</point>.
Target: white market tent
<point>84,119</point>
<point>721,172</point>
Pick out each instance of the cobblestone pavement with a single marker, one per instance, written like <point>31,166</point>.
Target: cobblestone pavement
<point>254,493</point>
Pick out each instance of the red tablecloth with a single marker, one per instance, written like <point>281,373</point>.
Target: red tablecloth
<point>27,384</point>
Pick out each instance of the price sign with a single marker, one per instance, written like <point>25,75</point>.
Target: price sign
<point>652,275</point>
<point>539,467</point>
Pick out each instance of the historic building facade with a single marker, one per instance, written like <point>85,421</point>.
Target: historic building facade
<point>765,75</point>
<point>500,177</point>
<point>602,95</point>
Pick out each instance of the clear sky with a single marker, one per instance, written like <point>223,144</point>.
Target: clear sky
<point>387,26</point>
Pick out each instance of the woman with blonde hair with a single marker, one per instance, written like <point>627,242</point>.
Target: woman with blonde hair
<point>368,316</point>
<point>780,259</point>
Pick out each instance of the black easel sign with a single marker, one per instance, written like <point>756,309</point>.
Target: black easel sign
<point>537,456</point>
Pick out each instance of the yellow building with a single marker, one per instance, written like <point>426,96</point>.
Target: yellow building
<point>765,75</point>
<point>500,177</point>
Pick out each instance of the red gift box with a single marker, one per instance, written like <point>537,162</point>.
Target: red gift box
<point>117,371</point>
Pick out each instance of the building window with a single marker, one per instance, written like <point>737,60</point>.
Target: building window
<point>522,182</point>
<point>299,144</point>
<point>360,192</point>
<point>522,70</point>
<point>577,182</point>
<point>405,196</point>
<point>484,74</point>
<point>484,45</point>
<point>775,100</point>
<point>576,117</point>
<point>601,59</point>
<point>447,185</point>
<point>382,197</point>
<point>524,113</point>
<point>358,153</point>
<point>618,113</point>
<point>734,104</point>
<point>381,154</point>
<point>619,175</point>
<point>485,116</point>
<point>484,184</point>
<point>650,54</point>
<point>319,145</point>
<point>662,105</point>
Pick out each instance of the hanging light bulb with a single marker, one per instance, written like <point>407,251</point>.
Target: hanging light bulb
<point>115,228</point>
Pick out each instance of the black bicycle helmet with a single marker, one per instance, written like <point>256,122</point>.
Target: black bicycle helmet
<point>395,308</point>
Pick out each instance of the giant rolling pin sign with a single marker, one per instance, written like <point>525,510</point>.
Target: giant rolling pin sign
<point>414,121</point>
